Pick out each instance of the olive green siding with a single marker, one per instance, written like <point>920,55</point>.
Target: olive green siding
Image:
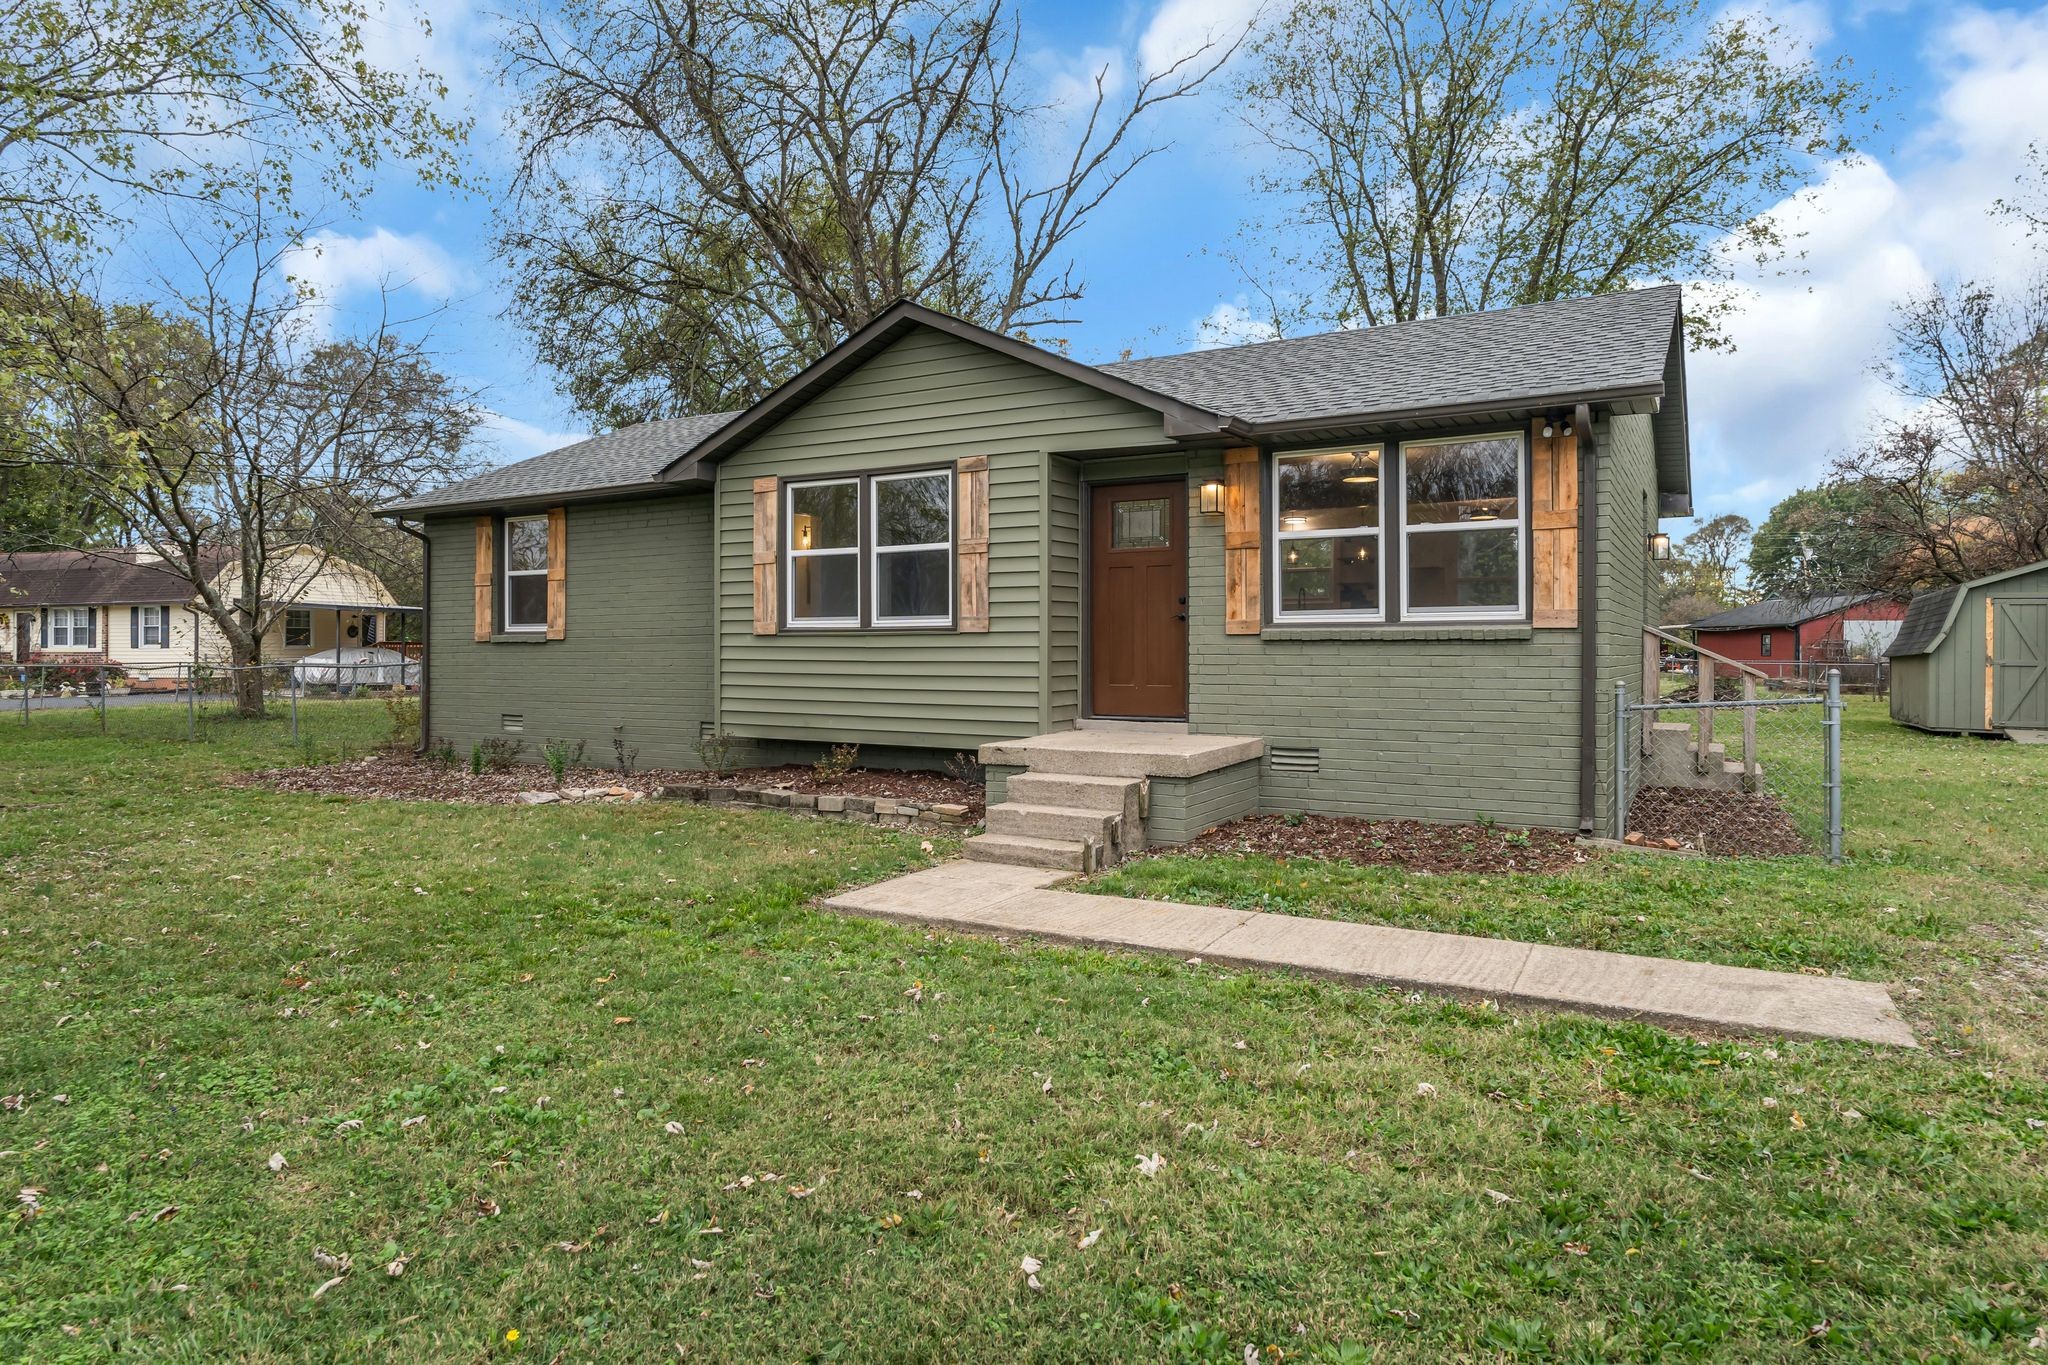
<point>1625,479</point>
<point>1063,591</point>
<point>1179,808</point>
<point>929,398</point>
<point>637,651</point>
<point>1944,688</point>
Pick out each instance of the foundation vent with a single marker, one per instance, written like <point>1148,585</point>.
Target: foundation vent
<point>1285,760</point>
<point>512,723</point>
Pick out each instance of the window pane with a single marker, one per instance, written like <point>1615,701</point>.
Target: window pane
<point>526,601</point>
<point>1140,524</point>
<point>1330,573</point>
<point>824,517</point>
<point>827,587</point>
<point>526,544</point>
<point>1463,480</point>
<point>912,583</point>
<point>1322,491</point>
<point>1464,569</point>
<point>912,511</point>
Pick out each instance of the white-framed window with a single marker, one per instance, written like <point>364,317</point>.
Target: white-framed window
<point>150,625</point>
<point>70,627</point>
<point>1326,543</point>
<point>298,628</point>
<point>910,548</point>
<point>1464,523</point>
<point>821,526</point>
<point>526,573</point>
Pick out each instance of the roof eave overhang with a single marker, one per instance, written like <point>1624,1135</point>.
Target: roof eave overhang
<point>1182,421</point>
<point>534,502</point>
<point>1640,397</point>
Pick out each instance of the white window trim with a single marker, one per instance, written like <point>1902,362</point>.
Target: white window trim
<point>290,612</point>
<point>153,620</point>
<point>511,573</point>
<point>1520,525</point>
<point>74,627</point>
<point>875,549</point>
<point>791,554</point>
<point>1281,535</point>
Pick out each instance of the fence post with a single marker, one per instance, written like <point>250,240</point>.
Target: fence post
<point>191,703</point>
<point>1622,739</point>
<point>1834,770</point>
<point>295,703</point>
<point>100,675</point>
<point>24,694</point>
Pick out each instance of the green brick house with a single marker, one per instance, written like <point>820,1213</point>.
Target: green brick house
<point>1391,571</point>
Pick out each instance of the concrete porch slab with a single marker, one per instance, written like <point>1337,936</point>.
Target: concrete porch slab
<point>984,898</point>
<point>1123,753</point>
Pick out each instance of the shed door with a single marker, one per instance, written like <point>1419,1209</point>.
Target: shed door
<point>2019,663</point>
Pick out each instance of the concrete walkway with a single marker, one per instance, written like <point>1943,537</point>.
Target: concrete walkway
<point>988,898</point>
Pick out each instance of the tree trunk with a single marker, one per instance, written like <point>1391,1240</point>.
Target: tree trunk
<point>248,684</point>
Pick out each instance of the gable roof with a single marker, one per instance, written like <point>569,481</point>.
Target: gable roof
<point>1932,614</point>
<point>86,578</point>
<point>1781,611</point>
<point>1625,350</point>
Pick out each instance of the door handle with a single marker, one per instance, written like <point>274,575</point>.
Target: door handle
<point>1180,616</point>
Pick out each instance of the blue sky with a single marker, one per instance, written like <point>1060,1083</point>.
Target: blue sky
<point>1971,90</point>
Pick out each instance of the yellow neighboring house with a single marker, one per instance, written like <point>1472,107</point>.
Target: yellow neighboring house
<point>128,608</point>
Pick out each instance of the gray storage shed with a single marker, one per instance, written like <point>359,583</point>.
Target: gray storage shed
<point>1972,658</point>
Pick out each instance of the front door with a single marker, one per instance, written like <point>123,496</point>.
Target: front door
<point>2020,663</point>
<point>1138,601</point>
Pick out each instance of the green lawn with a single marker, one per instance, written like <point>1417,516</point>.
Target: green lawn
<point>547,1060</point>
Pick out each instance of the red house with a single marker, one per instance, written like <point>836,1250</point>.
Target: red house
<point>1790,637</point>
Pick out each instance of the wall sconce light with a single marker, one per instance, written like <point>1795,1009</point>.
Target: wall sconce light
<point>803,533</point>
<point>1212,497</point>
<point>1660,545</point>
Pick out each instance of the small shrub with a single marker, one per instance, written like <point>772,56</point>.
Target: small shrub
<point>965,767</point>
<point>1294,819</point>
<point>623,758</point>
<point>714,751</point>
<point>441,753</point>
<point>476,759</point>
<point>498,753</point>
<point>561,755</point>
<point>405,720</point>
<point>837,763</point>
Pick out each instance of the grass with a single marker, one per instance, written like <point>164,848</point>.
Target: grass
<point>534,1057</point>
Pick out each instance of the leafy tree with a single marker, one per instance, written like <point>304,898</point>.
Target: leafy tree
<point>212,427</point>
<point>1454,155</point>
<point>1818,541</point>
<point>729,187</point>
<point>1699,578</point>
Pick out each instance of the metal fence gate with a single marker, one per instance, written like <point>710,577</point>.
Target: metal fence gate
<point>1759,775</point>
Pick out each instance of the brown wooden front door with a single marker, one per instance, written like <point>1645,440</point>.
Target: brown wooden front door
<point>1138,601</point>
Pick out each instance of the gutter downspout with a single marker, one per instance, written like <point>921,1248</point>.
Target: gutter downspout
<point>1589,623</point>
<point>426,600</point>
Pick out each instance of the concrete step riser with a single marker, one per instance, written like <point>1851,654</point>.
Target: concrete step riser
<point>1023,852</point>
<point>1116,795</point>
<point>1052,822</point>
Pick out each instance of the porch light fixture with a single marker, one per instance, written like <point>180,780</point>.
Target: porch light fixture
<point>1660,545</point>
<point>1361,472</point>
<point>1212,497</point>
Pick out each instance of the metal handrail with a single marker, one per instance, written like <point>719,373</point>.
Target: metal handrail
<point>1697,648</point>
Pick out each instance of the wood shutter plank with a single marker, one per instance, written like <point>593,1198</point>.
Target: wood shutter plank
<point>1554,528</point>
<point>767,537</point>
<point>558,572</point>
<point>1243,611</point>
<point>971,535</point>
<point>486,543</point>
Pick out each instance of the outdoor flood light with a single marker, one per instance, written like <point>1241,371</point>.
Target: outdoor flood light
<point>1660,545</point>
<point>1212,497</point>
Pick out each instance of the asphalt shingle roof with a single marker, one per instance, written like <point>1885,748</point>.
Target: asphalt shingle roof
<point>80,578</point>
<point>618,459</point>
<point>1779,611</point>
<point>1509,356</point>
<point>1925,617</point>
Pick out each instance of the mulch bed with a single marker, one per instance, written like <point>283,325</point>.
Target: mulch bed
<point>405,777</point>
<point>1417,845</point>
<point>1726,824</point>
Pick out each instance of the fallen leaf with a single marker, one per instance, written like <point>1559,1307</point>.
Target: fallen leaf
<point>1089,1240</point>
<point>1499,1197</point>
<point>396,1266</point>
<point>1577,1248</point>
<point>324,1259</point>
<point>277,1161</point>
<point>415,1121</point>
<point>1149,1165</point>
<point>672,1128</point>
<point>1424,1089</point>
<point>487,1207</point>
<point>328,1284</point>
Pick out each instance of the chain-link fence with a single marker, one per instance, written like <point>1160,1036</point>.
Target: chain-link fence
<point>1758,774</point>
<point>323,701</point>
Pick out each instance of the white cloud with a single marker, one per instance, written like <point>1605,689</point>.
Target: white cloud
<point>335,266</point>
<point>511,440</point>
<point>1799,389</point>
<point>1231,323</point>
<point>1181,27</point>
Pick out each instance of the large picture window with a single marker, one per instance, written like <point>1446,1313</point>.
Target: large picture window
<point>1463,517</point>
<point>874,550</point>
<point>1327,538</point>
<point>70,627</point>
<point>526,573</point>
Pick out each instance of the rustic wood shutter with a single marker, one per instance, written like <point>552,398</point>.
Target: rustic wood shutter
<point>486,543</point>
<point>1554,527</point>
<point>1242,608</point>
<point>971,549</point>
<point>558,572</point>
<point>767,541</point>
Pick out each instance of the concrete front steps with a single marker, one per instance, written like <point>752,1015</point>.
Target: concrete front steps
<point>1676,760</point>
<point>1080,804</point>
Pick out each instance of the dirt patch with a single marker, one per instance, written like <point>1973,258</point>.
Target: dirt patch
<point>1417,845</point>
<point>1725,824</point>
<point>408,778</point>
